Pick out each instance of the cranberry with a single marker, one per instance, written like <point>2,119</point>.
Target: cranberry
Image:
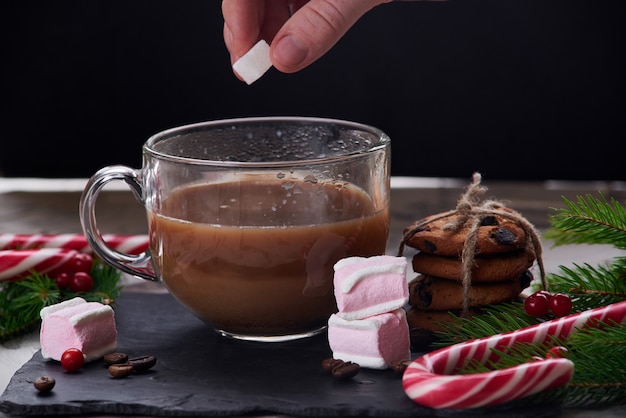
<point>63,280</point>
<point>81,262</point>
<point>537,304</point>
<point>546,293</point>
<point>557,352</point>
<point>72,359</point>
<point>560,304</point>
<point>81,282</point>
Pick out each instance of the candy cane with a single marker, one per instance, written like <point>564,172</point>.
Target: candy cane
<point>130,244</point>
<point>15,264</point>
<point>430,380</point>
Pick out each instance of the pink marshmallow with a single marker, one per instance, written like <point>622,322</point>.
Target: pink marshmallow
<point>370,286</point>
<point>76,323</point>
<point>375,342</point>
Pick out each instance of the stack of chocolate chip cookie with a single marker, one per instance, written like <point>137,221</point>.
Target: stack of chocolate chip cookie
<point>501,258</point>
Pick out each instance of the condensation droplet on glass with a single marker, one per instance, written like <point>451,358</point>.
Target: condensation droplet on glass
<point>249,135</point>
<point>279,133</point>
<point>310,179</point>
<point>280,176</point>
<point>287,185</point>
<point>284,201</point>
<point>273,208</point>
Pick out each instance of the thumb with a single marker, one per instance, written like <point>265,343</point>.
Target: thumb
<point>314,29</point>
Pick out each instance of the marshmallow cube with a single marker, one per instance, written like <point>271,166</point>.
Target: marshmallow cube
<point>76,323</point>
<point>367,286</point>
<point>375,342</point>
<point>254,63</point>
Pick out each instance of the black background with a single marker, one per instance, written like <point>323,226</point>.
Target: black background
<point>515,89</point>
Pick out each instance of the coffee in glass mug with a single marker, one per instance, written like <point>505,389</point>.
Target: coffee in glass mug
<point>247,217</point>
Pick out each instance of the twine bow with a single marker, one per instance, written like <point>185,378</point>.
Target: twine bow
<point>470,208</point>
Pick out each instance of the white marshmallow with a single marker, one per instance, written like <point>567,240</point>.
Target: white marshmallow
<point>254,63</point>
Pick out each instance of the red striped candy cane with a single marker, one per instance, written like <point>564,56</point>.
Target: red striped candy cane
<point>430,380</point>
<point>16,264</point>
<point>130,244</point>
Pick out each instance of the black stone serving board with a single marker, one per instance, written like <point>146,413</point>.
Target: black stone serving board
<point>199,373</point>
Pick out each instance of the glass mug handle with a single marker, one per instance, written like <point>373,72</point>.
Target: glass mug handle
<point>136,265</point>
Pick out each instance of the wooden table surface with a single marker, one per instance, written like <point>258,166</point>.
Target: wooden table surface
<point>30,206</point>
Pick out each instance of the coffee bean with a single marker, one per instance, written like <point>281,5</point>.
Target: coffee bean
<point>142,363</point>
<point>44,383</point>
<point>118,371</point>
<point>346,370</point>
<point>115,358</point>
<point>400,366</point>
<point>330,363</point>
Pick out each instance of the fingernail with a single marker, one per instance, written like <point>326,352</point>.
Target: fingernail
<point>290,51</point>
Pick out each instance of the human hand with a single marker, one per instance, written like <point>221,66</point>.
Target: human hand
<point>298,31</point>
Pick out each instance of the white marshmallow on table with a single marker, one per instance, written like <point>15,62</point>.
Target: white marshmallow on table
<point>254,63</point>
<point>76,323</point>
<point>375,342</point>
<point>367,286</point>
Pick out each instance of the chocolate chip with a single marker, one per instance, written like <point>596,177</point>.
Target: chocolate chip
<point>430,246</point>
<point>504,236</point>
<point>345,370</point>
<point>525,279</point>
<point>115,358</point>
<point>143,363</point>
<point>44,384</point>
<point>118,371</point>
<point>489,221</point>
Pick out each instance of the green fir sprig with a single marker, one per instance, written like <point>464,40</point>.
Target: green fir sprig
<point>21,301</point>
<point>598,353</point>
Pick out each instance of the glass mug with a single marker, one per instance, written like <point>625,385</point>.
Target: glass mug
<point>247,218</point>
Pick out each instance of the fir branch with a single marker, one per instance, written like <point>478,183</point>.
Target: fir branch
<point>21,301</point>
<point>589,221</point>
<point>589,286</point>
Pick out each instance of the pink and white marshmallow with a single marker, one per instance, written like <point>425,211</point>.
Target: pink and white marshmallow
<point>76,323</point>
<point>375,342</point>
<point>367,286</point>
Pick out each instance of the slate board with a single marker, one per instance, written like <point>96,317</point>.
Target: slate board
<point>200,373</point>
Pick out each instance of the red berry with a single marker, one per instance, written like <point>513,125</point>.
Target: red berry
<point>537,304</point>
<point>72,359</point>
<point>63,280</point>
<point>546,293</point>
<point>557,352</point>
<point>81,282</point>
<point>81,262</point>
<point>560,304</point>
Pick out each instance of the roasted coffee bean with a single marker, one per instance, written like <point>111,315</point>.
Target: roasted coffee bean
<point>44,383</point>
<point>330,363</point>
<point>115,358</point>
<point>142,363</point>
<point>345,370</point>
<point>400,366</point>
<point>118,371</point>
